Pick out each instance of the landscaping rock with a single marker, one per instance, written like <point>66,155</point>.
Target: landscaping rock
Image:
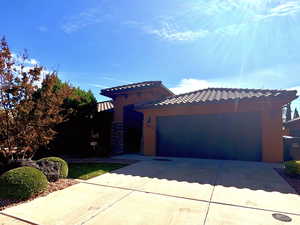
<point>16,164</point>
<point>63,165</point>
<point>51,169</point>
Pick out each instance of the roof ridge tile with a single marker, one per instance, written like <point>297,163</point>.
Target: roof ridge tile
<point>209,95</point>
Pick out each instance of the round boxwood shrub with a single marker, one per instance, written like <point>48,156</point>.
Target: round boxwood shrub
<point>22,183</point>
<point>64,169</point>
<point>292,168</point>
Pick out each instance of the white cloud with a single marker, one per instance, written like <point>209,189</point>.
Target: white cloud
<point>247,7</point>
<point>19,59</point>
<point>282,76</point>
<point>247,14</point>
<point>27,68</point>
<point>85,18</point>
<point>171,33</point>
<point>285,8</point>
<point>29,64</point>
<point>32,61</point>
<point>167,30</point>
<point>191,84</point>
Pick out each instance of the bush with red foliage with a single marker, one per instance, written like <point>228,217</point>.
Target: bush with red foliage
<point>30,107</point>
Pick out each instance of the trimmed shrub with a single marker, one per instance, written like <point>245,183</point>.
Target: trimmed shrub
<point>292,168</point>
<point>22,183</point>
<point>64,169</point>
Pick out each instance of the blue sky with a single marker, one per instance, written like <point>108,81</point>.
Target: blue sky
<point>187,44</point>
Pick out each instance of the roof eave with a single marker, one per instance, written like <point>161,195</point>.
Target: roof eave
<point>112,94</point>
<point>284,100</point>
<point>106,111</point>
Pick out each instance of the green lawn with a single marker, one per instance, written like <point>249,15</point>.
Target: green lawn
<point>85,171</point>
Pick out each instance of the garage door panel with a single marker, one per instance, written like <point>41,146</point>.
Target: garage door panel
<point>220,136</point>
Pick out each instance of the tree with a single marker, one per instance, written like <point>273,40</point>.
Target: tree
<point>28,114</point>
<point>74,134</point>
<point>288,115</point>
<point>83,103</point>
<point>296,114</point>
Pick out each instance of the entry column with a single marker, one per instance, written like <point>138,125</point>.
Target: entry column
<point>117,134</point>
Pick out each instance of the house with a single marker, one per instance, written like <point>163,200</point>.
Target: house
<point>217,123</point>
<point>293,127</point>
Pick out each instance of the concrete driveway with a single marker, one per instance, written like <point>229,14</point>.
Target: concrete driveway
<point>180,191</point>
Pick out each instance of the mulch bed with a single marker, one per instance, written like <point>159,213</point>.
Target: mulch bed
<point>293,181</point>
<point>53,186</point>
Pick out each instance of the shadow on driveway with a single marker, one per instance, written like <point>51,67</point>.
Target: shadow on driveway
<point>237,174</point>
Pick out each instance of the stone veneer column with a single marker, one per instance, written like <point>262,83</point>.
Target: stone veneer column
<point>117,136</point>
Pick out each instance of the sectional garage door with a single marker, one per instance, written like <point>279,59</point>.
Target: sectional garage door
<point>234,136</point>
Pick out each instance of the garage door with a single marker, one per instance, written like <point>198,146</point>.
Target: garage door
<point>234,136</point>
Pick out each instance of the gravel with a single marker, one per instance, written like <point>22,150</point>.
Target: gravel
<point>293,181</point>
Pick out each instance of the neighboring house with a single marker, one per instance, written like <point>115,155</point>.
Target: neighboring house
<point>218,123</point>
<point>293,127</point>
<point>106,106</point>
<point>104,117</point>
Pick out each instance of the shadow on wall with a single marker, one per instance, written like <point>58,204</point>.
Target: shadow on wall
<point>237,174</point>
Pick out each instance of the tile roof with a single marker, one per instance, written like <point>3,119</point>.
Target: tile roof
<point>130,87</point>
<point>217,95</point>
<point>105,106</point>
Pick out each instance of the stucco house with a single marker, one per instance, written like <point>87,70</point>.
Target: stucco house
<point>216,123</point>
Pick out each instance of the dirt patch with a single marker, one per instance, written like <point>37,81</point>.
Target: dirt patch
<point>53,186</point>
<point>293,181</point>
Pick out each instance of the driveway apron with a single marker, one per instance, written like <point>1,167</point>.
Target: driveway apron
<point>255,185</point>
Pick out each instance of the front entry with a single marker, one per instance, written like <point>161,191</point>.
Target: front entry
<point>133,128</point>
